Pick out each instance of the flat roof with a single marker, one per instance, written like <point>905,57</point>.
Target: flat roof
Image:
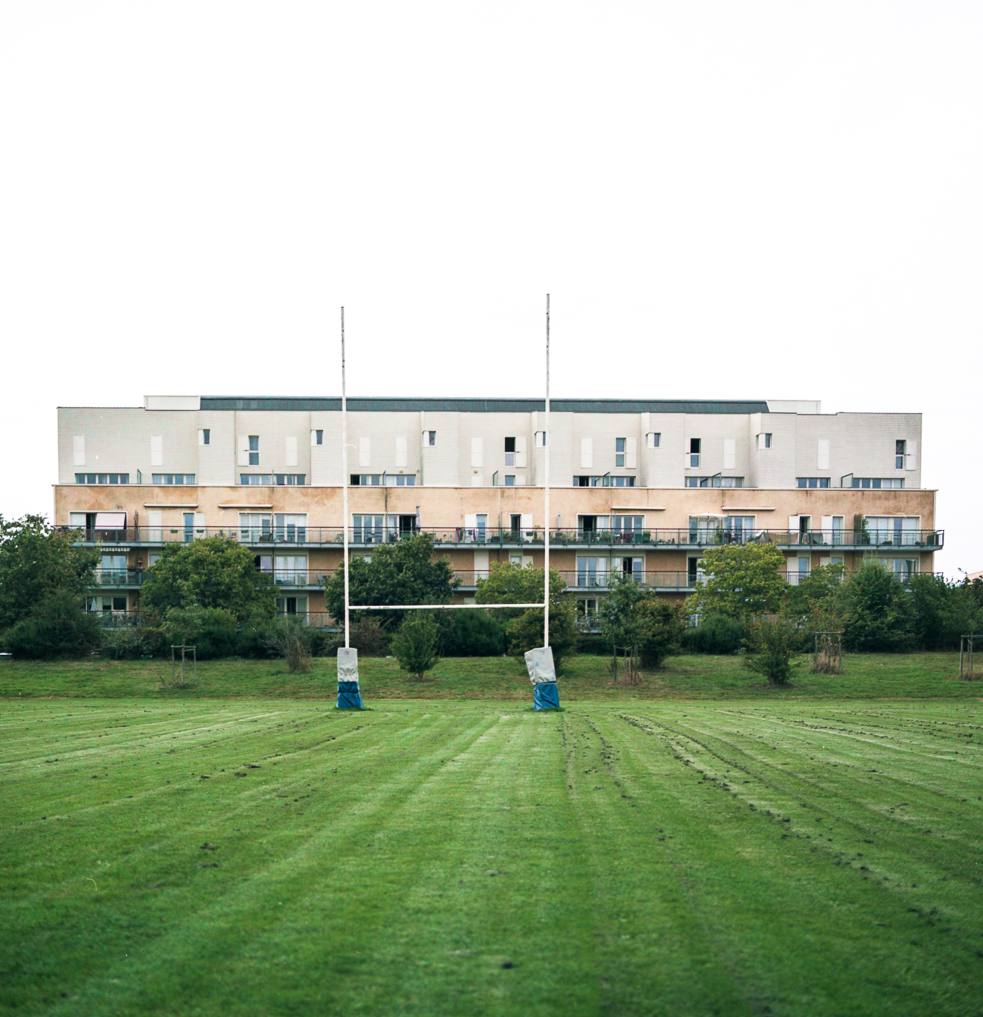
<point>737,406</point>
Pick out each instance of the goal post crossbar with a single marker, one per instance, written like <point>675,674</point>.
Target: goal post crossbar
<point>432,607</point>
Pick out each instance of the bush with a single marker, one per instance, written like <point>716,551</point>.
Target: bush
<point>369,637</point>
<point>772,645</point>
<point>124,642</point>
<point>289,637</point>
<point>470,634</point>
<point>58,628</point>
<point>211,630</point>
<point>881,613</point>
<point>415,645</point>
<point>717,635</point>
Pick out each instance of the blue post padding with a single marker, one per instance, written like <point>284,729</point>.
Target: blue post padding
<point>545,697</point>
<point>349,697</point>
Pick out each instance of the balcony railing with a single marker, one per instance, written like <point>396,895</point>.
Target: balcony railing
<point>486,536</point>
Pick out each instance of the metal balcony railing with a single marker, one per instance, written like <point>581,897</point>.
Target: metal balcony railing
<point>486,536</point>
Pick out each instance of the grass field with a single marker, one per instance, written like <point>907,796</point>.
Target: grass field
<point>909,676</point>
<point>199,856</point>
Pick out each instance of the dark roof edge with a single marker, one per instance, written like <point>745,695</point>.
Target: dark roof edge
<point>382,405</point>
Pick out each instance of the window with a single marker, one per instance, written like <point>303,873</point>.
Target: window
<point>619,451</point>
<point>290,569</point>
<point>254,450</point>
<point>653,439</point>
<point>112,570</point>
<point>627,529</point>
<point>605,481</point>
<point>255,527</point>
<point>812,481</point>
<point>694,453</point>
<point>900,531</point>
<point>319,437</point>
<point>509,480</point>
<point>290,479</point>
<point>431,438</point>
<point>509,452</point>
<point>715,481</point>
<point>167,479</point>
<point>255,479</point>
<point>764,440</point>
<point>206,436</point>
<point>878,483</point>
<point>366,480</point>
<point>291,605</point>
<point>106,478</point>
<point>900,448</point>
<point>592,571</point>
<point>291,528</point>
<point>738,529</point>
<point>105,605</point>
<point>383,480</point>
<point>540,439</point>
<point>369,529</point>
<point>401,480</point>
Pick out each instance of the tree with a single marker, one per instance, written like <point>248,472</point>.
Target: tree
<point>881,612</point>
<point>57,628</point>
<point>818,600</point>
<point>620,620</point>
<point>36,562</point>
<point>214,572</point>
<point>740,581</point>
<point>662,628</point>
<point>772,645</point>
<point>415,645</point>
<point>400,573</point>
<point>510,583</point>
<point>289,638</point>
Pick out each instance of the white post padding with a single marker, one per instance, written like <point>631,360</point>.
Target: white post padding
<point>347,664</point>
<point>539,664</point>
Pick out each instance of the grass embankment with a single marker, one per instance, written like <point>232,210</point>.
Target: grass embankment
<point>234,858</point>
<point>917,675</point>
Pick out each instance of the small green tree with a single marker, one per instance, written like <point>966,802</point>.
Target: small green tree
<point>740,581</point>
<point>415,644</point>
<point>510,583</point>
<point>36,562</point>
<point>880,611</point>
<point>288,637</point>
<point>662,626</point>
<point>772,647</point>
<point>214,572</point>
<point>400,573</point>
<point>621,622</point>
<point>57,628</point>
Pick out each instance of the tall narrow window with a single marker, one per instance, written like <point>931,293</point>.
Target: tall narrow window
<point>319,437</point>
<point>900,448</point>
<point>510,451</point>
<point>694,452</point>
<point>619,451</point>
<point>254,450</point>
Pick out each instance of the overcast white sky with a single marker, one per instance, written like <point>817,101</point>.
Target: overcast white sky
<point>724,199</point>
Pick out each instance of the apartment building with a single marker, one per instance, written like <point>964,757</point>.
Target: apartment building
<point>643,487</point>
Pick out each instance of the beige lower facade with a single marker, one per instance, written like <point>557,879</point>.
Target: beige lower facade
<point>656,535</point>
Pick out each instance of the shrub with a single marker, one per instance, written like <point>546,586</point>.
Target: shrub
<point>58,628</point>
<point>124,642</point>
<point>369,637</point>
<point>718,634</point>
<point>881,613</point>
<point>772,645</point>
<point>470,634</point>
<point>211,630</point>
<point>415,645</point>
<point>288,637</point>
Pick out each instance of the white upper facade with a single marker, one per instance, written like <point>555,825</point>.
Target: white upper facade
<point>230,441</point>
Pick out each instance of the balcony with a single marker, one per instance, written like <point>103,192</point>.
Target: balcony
<point>361,537</point>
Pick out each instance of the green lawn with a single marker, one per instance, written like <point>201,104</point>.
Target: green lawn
<point>761,855</point>
<point>892,676</point>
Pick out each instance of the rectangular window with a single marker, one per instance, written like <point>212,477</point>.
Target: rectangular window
<point>290,479</point>
<point>738,529</point>
<point>900,448</point>
<point>204,436</point>
<point>812,481</point>
<point>167,479</point>
<point>510,482</point>
<point>619,451</point>
<point>290,528</point>
<point>694,453</point>
<point>256,479</point>
<point>369,529</point>
<point>432,440</point>
<point>653,439</point>
<point>764,439</point>
<point>592,571</point>
<point>253,450</point>
<point>714,481</point>
<point>255,527</point>
<point>540,439</point>
<point>627,529</point>
<point>318,437</point>
<point>105,478</point>
<point>878,483</point>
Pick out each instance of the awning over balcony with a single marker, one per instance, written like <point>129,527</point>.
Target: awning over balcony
<point>110,520</point>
